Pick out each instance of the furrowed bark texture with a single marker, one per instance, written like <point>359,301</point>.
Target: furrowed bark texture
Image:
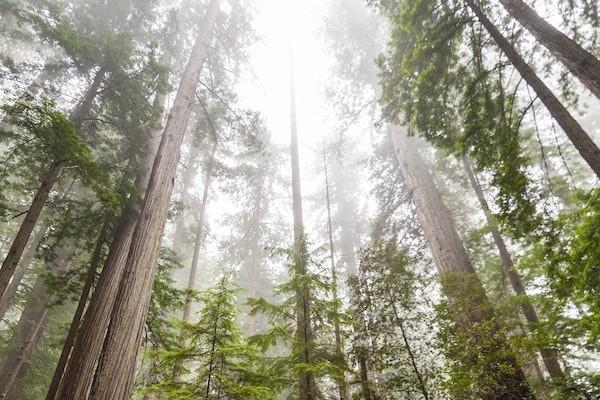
<point>47,181</point>
<point>306,382</point>
<point>579,61</point>
<point>115,372</point>
<point>86,351</point>
<point>451,259</point>
<point>580,139</point>
<point>79,372</point>
<point>75,322</point>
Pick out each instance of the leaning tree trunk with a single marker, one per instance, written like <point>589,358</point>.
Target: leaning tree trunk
<point>47,181</point>
<point>20,272</point>
<point>306,381</point>
<point>411,355</point>
<point>450,257</point>
<point>549,356</point>
<point>32,322</point>
<point>179,236</point>
<point>339,353</point>
<point>579,61</point>
<point>187,308</point>
<point>580,139</point>
<point>115,373</point>
<point>75,322</point>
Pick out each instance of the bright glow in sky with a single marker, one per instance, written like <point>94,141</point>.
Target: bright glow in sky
<point>265,86</point>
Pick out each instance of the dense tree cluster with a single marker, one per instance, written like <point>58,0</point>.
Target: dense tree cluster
<point>159,242</point>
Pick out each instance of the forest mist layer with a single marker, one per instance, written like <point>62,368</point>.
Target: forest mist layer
<point>261,199</point>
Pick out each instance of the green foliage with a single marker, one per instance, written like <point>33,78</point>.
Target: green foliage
<point>571,252</point>
<point>210,358</point>
<point>478,360</point>
<point>437,79</point>
<point>389,302</point>
<point>281,338</point>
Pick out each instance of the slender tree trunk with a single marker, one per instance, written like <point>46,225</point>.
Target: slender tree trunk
<point>179,237</point>
<point>28,332</point>
<point>29,328</point>
<point>364,378</point>
<point>187,308</point>
<point>306,382</point>
<point>73,328</point>
<point>212,356</point>
<point>47,181</point>
<point>342,386</point>
<point>580,139</point>
<point>452,261</point>
<point>411,355</point>
<point>20,272</point>
<point>549,356</point>
<point>115,372</point>
<point>579,61</point>
<point>13,256</point>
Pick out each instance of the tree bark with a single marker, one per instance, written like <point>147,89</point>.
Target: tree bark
<point>73,328</point>
<point>549,356</point>
<point>364,378</point>
<point>79,372</point>
<point>451,258</point>
<point>29,328</point>
<point>47,181</point>
<point>579,61</point>
<point>13,256</point>
<point>580,139</point>
<point>20,272</point>
<point>306,382</point>
<point>341,362</point>
<point>116,368</point>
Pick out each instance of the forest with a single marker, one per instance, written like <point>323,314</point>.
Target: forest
<point>305,200</point>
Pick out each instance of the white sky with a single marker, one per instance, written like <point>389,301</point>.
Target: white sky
<point>265,86</point>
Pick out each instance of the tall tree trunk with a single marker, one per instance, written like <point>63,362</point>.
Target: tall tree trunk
<point>306,381</point>
<point>364,377</point>
<point>20,272</point>
<point>580,139</point>
<point>31,324</point>
<point>179,237</point>
<point>452,261</point>
<point>79,372</point>
<point>47,181</point>
<point>187,308</point>
<point>74,327</point>
<point>341,362</point>
<point>411,356</point>
<point>579,61</point>
<point>549,356</point>
<point>81,366</point>
<point>115,372</point>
